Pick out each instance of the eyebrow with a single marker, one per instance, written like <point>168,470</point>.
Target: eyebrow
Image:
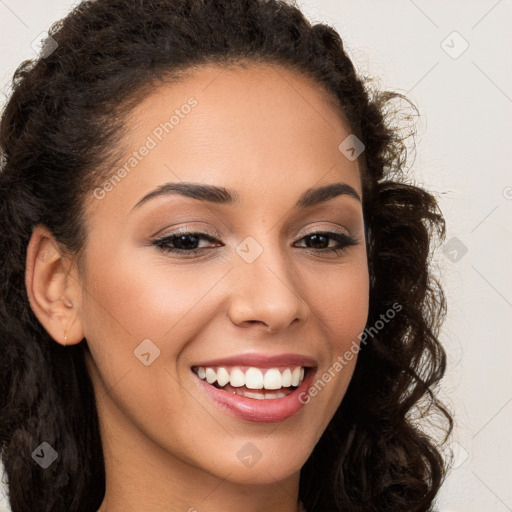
<point>221,195</point>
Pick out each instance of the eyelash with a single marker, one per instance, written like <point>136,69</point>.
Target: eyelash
<point>344,241</point>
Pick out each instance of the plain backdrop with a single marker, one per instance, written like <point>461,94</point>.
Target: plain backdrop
<point>450,59</point>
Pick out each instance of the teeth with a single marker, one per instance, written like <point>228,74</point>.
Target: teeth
<point>222,376</point>
<point>295,376</point>
<point>273,379</point>
<point>286,378</point>
<point>211,375</point>
<point>253,378</point>
<point>259,395</point>
<point>274,394</point>
<point>237,378</point>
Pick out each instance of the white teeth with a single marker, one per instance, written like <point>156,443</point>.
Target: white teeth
<point>274,394</point>
<point>222,376</point>
<point>237,378</point>
<point>253,378</point>
<point>258,396</point>
<point>211,375</point>
<point>286,379</point>
<point>295,376</point>
<point>273,379</point>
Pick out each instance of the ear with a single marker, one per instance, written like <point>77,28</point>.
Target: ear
<point>53,287</point>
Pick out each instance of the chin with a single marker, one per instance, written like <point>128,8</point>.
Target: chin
<point>260,462</point>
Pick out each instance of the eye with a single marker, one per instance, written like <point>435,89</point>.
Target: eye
<point>321,238</point>
<point>187,243</point>
<point>184,242</point>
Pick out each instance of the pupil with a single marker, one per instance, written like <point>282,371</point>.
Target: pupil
<point>316,238</point>
<point>183,245</point>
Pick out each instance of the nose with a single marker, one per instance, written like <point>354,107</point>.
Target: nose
<point>267,291</point>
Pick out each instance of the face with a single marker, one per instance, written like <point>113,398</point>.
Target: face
<point>249,281</point>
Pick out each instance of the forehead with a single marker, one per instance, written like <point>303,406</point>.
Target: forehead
<point>260,129</point>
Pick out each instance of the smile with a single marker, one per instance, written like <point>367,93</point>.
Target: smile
<point>257,388</point>
<point>248,381</point>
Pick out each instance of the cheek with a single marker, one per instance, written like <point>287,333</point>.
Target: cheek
<point>128,302</point>
<point>131,300</point>
<point>341,301</point>
<point>148,297</point>
<point>342,305</point>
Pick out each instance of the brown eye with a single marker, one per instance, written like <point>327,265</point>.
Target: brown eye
<point>319,241</point>
<point>183,242</point>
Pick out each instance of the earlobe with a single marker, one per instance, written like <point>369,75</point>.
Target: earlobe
<point>52,290</point>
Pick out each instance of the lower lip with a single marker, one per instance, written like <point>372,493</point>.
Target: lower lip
<point>261,411</point>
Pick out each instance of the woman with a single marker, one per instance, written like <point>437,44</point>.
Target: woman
<point>216,291</point>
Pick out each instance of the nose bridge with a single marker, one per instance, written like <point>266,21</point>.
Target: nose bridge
<point>265,289</point>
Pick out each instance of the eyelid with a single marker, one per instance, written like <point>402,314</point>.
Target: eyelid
<point>211,231</point>
<point>331,227</point>
<point>186,229</point>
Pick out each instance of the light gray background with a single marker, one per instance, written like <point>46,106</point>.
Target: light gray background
<point>463,154</point>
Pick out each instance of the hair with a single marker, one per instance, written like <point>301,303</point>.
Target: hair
<point>59,137</point>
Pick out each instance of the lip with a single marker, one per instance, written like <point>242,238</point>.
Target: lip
<point>261,361</point>
<point>254,410</point>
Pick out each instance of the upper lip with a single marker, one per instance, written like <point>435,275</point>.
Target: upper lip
<point>261,361</point>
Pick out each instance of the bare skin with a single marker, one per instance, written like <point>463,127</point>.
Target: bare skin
<point>269,135</point>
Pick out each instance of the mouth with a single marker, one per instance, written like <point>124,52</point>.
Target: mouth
<point>253,382</point>
<point>259,390</point>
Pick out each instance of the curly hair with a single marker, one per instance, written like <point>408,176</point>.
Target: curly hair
<point>58,138</point>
